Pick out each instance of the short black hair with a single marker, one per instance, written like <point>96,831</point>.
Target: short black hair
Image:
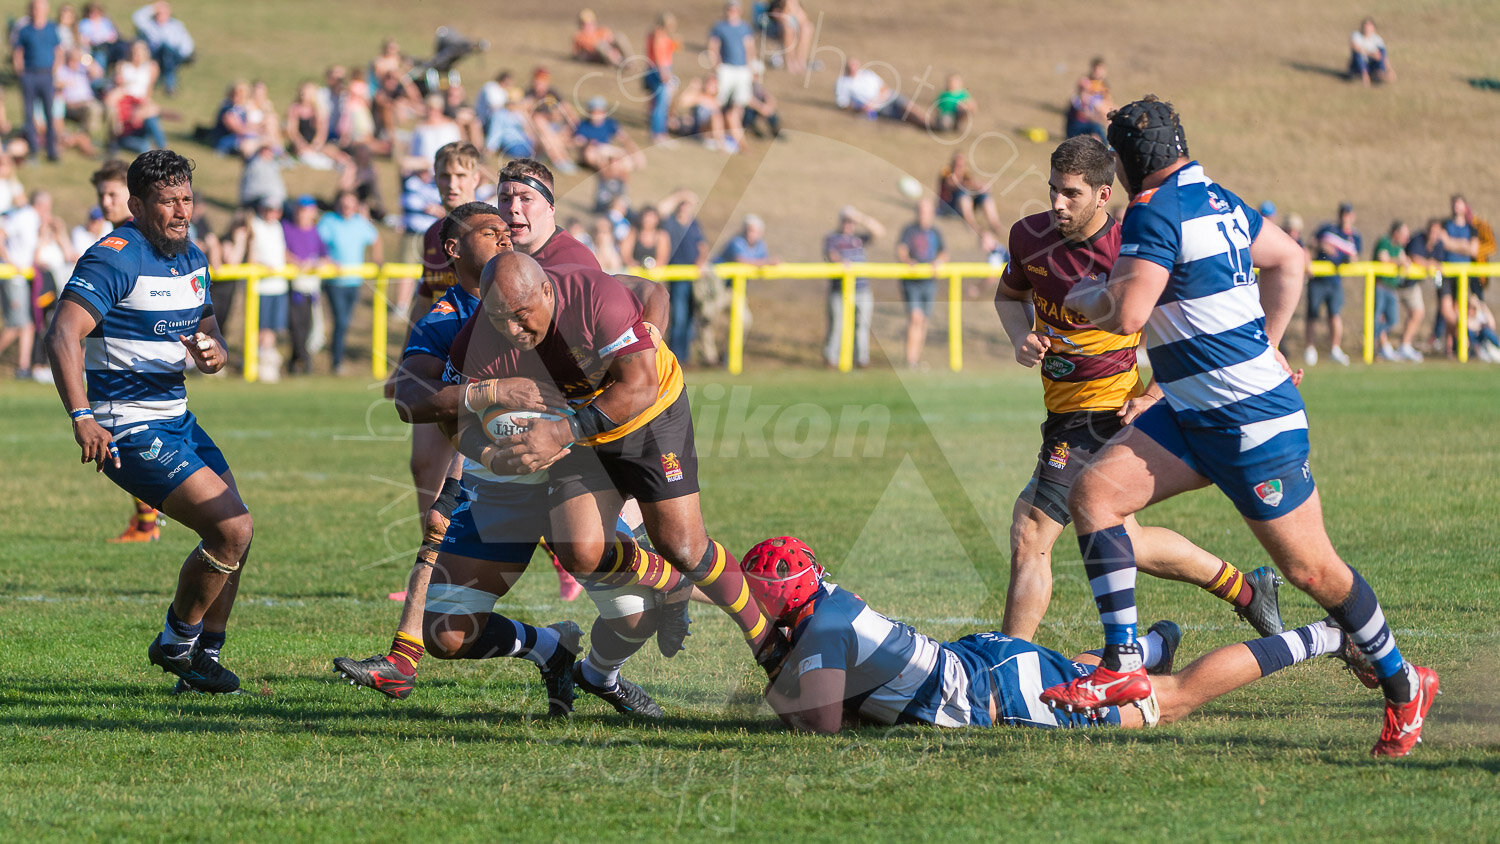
<point>518,167</point>
<point>1087,156</point>
<point>113,170</point>
<point>156,169</point>
<point>456,221</point>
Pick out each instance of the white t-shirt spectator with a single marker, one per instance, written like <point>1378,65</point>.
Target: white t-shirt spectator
<point>863,90</point>
<point>1367,44</point>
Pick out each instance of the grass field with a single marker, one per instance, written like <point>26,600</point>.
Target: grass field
<point>903,484</point>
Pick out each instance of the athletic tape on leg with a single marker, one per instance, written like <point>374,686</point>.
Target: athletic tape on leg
<point>452,599</point>
<point>213,562</point>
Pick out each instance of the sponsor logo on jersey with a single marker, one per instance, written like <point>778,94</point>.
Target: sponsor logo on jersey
<point>620,342</point>
<point>812,663</point>
<point>180,466</point>
<point>196,280</point>
<point>1269,492</point>
<point>78,280</point>
<point>1143,197</point>
<point>115,243</point>
<point>172,270</point>
<point>1058,459</point>
<point>164,327</point>
<point>1217,203</point>
<point>153,451</point>
<point>1055,367</point>
<point>443,307</point>
<point>1033,268</point>
<point>671,467</point>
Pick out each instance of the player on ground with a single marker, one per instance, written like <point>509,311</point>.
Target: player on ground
<point>849,664</point>
<point>1232,415</point>
<point>134,313</point>
<point>630,434</point>
<point>1092,390</point>
<point>114,203</point>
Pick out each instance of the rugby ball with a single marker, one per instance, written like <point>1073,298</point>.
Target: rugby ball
<point>909,187</point>
<point>501,422</point>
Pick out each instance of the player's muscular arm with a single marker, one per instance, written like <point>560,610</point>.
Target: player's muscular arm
<point>64,341</point>
<point>818,708</point>
<point>632,389</point>
<point>1017,317</point>
<point>656,305</point>
<point>1122,303</point>
<point>1281,262</point>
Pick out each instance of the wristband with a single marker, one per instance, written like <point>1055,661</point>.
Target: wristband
<point>589,421</point>
<point>80,413</point>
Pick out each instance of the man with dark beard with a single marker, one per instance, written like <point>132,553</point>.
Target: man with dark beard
<point>135,312</point>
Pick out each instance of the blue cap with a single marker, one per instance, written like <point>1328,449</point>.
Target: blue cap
<point>1268,209</point>
<point>305,200</point>
<point>96,213</point>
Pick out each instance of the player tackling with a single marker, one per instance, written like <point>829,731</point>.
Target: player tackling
<point>1232,415</point>
<point>135,312</point>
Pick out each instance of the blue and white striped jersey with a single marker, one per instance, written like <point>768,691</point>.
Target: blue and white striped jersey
<point>893,674</point>
<point>143,300</point>
<point>1207,336</point>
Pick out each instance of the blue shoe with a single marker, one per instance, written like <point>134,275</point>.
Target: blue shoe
<point>197,669</point>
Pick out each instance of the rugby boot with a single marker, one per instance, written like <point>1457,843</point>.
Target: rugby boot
<point>557,674</point>
<point>1171,637</point>
<point>673,620</point>
<point>1264,610</point>
<point>378,673</point>
<point>626,697</point>
<point>136,532</point>
<point>1350,655</point>
<point>197,669</point>
<point>1103,688</point>
<point>1403,721</point>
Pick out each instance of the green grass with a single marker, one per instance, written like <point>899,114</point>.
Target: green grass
<point>911,513</point>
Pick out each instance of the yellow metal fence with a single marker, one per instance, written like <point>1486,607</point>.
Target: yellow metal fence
<point>739,277</point>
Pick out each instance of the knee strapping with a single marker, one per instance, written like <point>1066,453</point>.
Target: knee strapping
<point>213,562</point>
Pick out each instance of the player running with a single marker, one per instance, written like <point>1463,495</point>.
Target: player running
<point>849,664</point>
<point>1092,390</point>
<point>136,310</point>
<point>1232,415</point>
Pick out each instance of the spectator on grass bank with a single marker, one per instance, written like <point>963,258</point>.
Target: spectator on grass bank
<point>261,181</point>
<point>954,107</point>
<point>862,91</point>
<point>749,246</point>
<point>1391,290</point>
<point>762,106</point>
<point>661,45</point>
<point>75,80</point>
<point>1338,243</point>
<point>846,245</point>
<point>1090,106</point>
<point>306,251</point>
<point>307,132</point>
<point>98,36</point>
<point>597,44</point>
<point>689,248</point>
<point>603,146</point>
<point>646,244</point>
<point>606,248</point>
<point>731,45</point>
<point>351,240</point>
<point>920,243</point>
<point>1367,55</point>
<point>696,113</point>
<point>433,132</point>
<point>961,191</point>
<point>267,248</point>
<point>35,52</point>
<point>1460,246</point>
<point>788,22</point>
<point>171,45</point>
<point>130,107</point>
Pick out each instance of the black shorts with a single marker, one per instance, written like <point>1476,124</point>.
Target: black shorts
<point>1069,442</point>
<point>656,462</point>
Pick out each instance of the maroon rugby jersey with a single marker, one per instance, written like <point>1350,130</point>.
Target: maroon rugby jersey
<point>1086,368</point>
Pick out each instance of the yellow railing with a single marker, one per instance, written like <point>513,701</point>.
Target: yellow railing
<point>739,276</point>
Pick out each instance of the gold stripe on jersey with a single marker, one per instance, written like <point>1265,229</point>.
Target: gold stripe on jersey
<point>1090,341</point>
<point>1109,393</point>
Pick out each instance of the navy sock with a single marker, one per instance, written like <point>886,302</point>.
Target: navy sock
<point>503,636</point>
<point>177,636</point>
<point>211,643</point>
<point>1109,562</point>
<point>1274,653</point>
<point>1361,617</point>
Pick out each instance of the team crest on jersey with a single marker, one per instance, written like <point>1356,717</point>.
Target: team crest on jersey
<point>1055,367</point>
<point>1217,203</point>
<point>1143,197</point>
<point>1058,459</point>
<point>443,307</point>
<point>115,243</point>
<point>671,467</point>
<point>1269,492</point>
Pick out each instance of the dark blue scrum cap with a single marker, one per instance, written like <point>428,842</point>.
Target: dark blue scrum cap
<point>1148,136</point>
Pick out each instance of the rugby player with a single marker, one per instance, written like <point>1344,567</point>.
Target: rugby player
<point>135,312</point>
<point>114,198</point>
<point>1092,390</point>
<point>849,664</point>
<point>630,433</point>
<point>1232,416</point>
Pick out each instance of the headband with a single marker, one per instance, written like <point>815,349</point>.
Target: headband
<point>535,184</point>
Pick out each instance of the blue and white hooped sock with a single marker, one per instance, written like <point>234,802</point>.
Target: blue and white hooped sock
<point>1109,562</point>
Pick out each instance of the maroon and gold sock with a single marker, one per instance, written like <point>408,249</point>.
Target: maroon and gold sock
<point>1230,584</point>
<point>406,651</point>
<point>145,516</point>
<point>627,564</point>
<point>719,577</point>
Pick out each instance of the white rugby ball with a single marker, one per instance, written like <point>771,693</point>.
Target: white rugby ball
<point>909,187</point>
<point>500,422</point>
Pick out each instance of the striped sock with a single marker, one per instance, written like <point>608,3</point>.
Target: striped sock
<point>1109,562</point>
<point>719,577</point>
<point>1274,653</point>
<point>608,651</point>
<point>1230,584</point>
<point>211,642</point>
<point>503,636</point>
<point>626,563</point>
<point>177,636</point>
<point>406,651</point>
<point>1361,617</point>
